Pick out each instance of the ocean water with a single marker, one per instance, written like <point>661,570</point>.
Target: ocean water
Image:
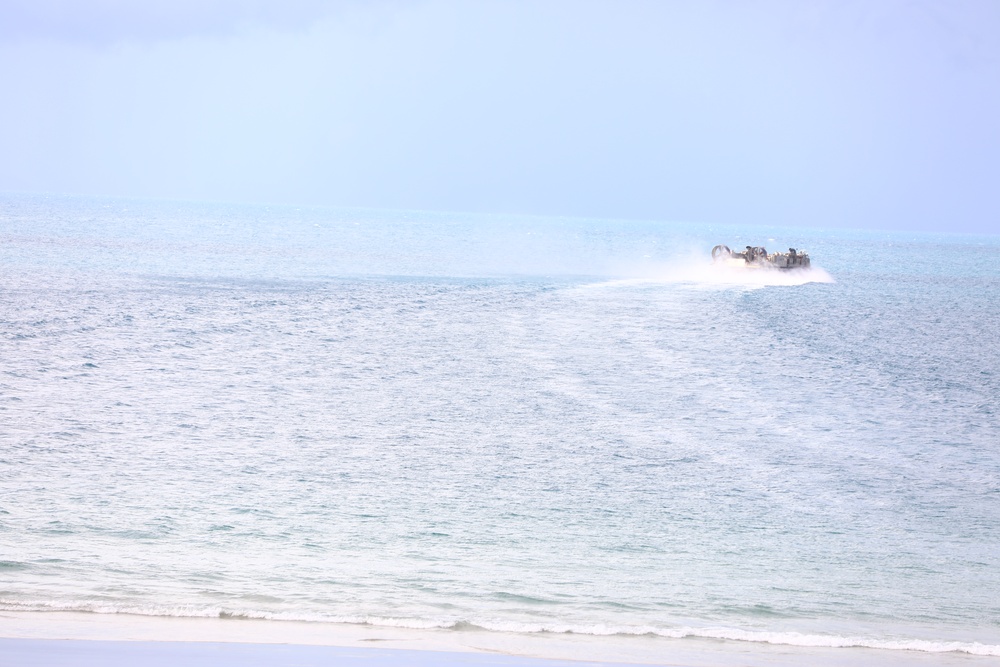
<point>504,424</point>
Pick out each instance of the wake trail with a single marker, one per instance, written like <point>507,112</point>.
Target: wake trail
<point>705,274</point>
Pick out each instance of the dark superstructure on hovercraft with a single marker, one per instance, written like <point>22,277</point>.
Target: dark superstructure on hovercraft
<point>758,257</point>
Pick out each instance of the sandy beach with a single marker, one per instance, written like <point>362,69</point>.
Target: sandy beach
<point>30,639</point>
<point>28,652</point>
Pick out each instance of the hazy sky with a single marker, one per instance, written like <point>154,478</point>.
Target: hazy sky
<point>871,114</point>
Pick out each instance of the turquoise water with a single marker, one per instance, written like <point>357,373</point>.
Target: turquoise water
<point>519,424</point>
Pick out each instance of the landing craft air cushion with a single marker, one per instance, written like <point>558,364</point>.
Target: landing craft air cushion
<point>758,258</point>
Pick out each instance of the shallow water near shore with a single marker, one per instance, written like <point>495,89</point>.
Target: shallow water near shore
<point>514,425</point>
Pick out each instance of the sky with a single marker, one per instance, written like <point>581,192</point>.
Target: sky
<point>873,114</point>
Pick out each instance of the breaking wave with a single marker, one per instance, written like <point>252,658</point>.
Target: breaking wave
<point>783,638</point>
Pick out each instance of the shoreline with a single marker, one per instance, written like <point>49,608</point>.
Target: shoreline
<point>104,653</point>
<point>40,638</point>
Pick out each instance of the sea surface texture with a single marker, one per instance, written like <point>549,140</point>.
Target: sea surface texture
<point>517,424</point>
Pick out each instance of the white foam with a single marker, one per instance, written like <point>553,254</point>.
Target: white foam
<point>707,274</point>
<point>783,638</point>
